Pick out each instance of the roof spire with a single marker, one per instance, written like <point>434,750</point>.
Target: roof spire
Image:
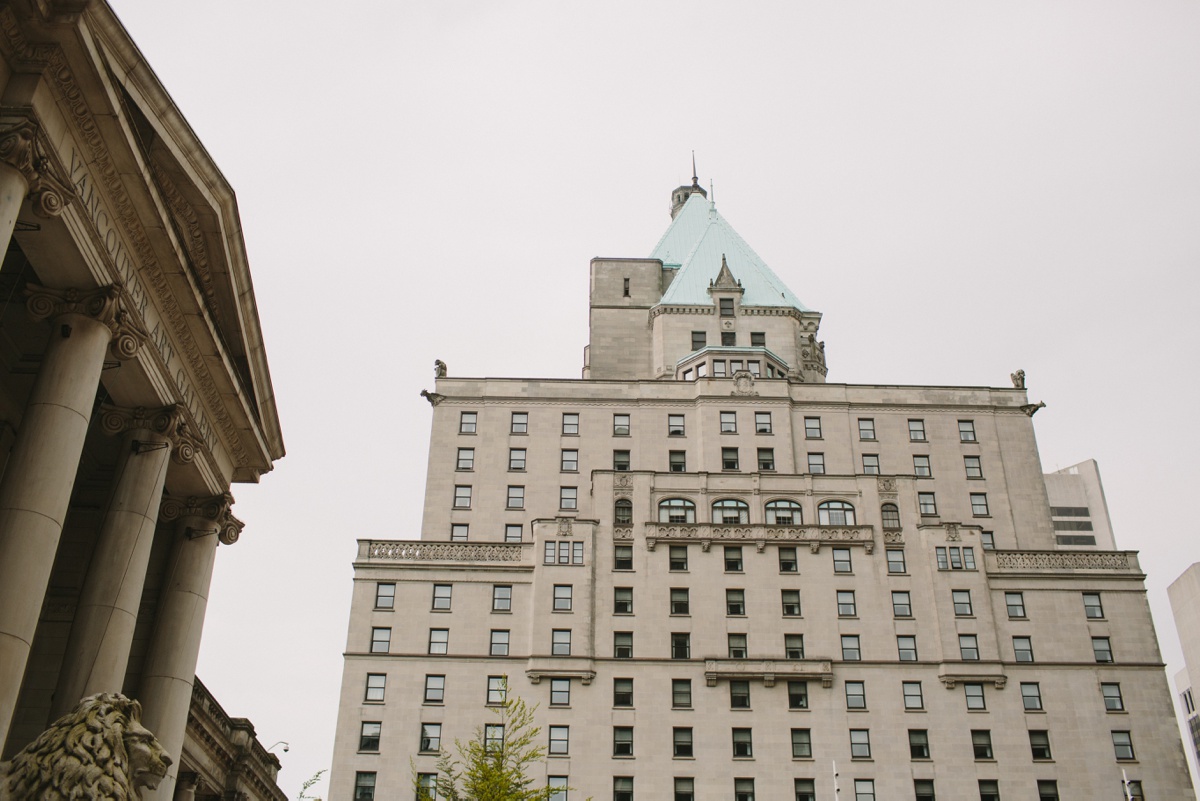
<point>695,177</point>
<point>681,194</point>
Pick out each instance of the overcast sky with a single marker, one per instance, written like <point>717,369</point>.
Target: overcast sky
<point>962,189</point>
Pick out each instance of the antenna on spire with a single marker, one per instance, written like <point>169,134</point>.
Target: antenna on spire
<point>712,192</point>
<point>695,177</point>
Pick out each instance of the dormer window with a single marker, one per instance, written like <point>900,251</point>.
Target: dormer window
<point>726,307</point>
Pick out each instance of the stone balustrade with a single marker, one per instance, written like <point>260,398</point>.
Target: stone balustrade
<point>421,551</point>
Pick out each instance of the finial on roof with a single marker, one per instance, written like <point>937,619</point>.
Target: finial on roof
<point>695,177</point>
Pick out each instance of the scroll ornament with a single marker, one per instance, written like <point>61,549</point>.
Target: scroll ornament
<point>168,421</point>
<point>102,304</point>
<point>21,150</point>
<point>216,509</point>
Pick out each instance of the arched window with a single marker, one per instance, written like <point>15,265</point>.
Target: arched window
<point>835,513</point>
<point>730,511</point>
<point>676,510</point>
<point>891,515</point>
<point>784,513</point>
<point>623,513</point>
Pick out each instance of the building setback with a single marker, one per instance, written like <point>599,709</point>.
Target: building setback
<point>718,575</point>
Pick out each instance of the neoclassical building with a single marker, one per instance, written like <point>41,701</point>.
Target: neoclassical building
<point>721,576</point>
<point>135,385</point>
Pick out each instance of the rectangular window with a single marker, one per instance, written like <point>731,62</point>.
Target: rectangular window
<point>801,744</point>
<point>516,497</point>
<point>675,427</point>
<point>569,462</point>
<point>441,596</point>
<point>499,642</point>
<point>435,689</point>
<point>726,306</point>
<point>385,595</point>
<point>968,647</point>
<point>622,692</point>
<point>431,737</point>
<point>895,561</point>
<point>841,561</point>
<point>921,468</point>
<point>966,430</point>
<point>381,640</point>
<point>860,743</point>
<point>501,597</point>
<point>568,497</point>
<point>680,603</point>
<point>516,459</point>
<point>1122,744</point>
<point>846,604</point>
<point>622,600</point>
<point>856,695</point>
<point>787,560</point>
<point>466,459</point>
<point>850,649</point>
<point>570,424</point>
<point>677,461</point>
<point>762,422</point>
<point>622,557</point>
<point>962,602</point>
<point>560,740</point>
<point>988,540</point>
<point>681,645</point>
<point>906,646</point>
<point>797,694</point>
<point>743,744</point>
<point>864,790</point>
<point>735,602</point>
<point>368,736</point>
<point>737,646</point>
<point>913,699</point>
<point>806,790</point>
<point>493,737</point>
<point>620,425</point>
<point>681,693</point>
<point>728,422</point>
<point>743,790</point>
<point>560,642</point>
<point>981,742</point>
<point>1015,603</point>
<point>427,782</point>
<point>923,789</point>
<point>901,603</point>
<point>719,366</point>
<point>1102,648</point>
<point>462,496</point>
<point>918,748</point>
<point>681,741</point>
<point>791,602</point>
<point>622,741</point>
<point>1092,608</point>
<point>376,687</point>
<point>623,645</point>
<point>916,430</point>
<point>513,532</point>
<point>974,694</point>
<point>1039,744</point>
<point>364,786</point>
<point>1023,649</point>
<point>974,466</point>
<point>1031,696</point>
<point>870,463</point>
<point>497,689</point>
<point>729,458</point>
<point>758,339</point>
<point>699,340</point>
<point>733,559</point>
<point>812,427</point>
<point>766,459</point>
<point>816,463</point>
<point>979,504</point>
<point>678,558</point>
<point>793,646</point>
<point>955,558</point>
<point>685,789</point>
<point>1113,702</point>
<point>519,423</point>
<point>622,788</point>
<point>866,428</point>
<point>1047,790</point>
<point>928,503</point>
<point>458,532</point>
<point>466,422</point>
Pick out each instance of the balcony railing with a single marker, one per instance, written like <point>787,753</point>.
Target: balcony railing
<point>421,551</point>
<point>1059,561</point>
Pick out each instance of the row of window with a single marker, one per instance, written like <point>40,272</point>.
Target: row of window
<point>468,423</point>
<point>953,557</point>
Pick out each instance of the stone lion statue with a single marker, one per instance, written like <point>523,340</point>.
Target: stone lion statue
<point>99,752</point>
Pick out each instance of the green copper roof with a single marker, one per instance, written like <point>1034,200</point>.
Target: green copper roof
<point>695,242</point>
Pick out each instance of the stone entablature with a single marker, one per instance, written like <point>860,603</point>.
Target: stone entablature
<point>421,551</point>
<point>769,670</point>
<point>760,534</point>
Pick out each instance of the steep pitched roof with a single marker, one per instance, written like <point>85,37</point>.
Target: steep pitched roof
<point>695,242</point>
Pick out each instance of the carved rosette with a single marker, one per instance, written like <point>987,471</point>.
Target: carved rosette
<point>102,304</point>
<point>215,509</point>
<point>21,149</point>
<point>168,422</point>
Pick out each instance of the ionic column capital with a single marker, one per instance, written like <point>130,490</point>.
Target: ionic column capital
<point>102,304</point>
<point>168,422</point>
<point>215,510</point>
<point>21,149</point>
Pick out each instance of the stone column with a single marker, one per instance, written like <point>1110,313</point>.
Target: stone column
<point>37,481</point>
<point>170,669</point>
<point>25,171</point>
<point>102,633</point>
<point>185,790</point>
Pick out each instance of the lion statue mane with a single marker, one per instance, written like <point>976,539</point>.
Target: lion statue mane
<point>98,752</point>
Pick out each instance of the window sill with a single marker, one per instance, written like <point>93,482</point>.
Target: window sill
<point>923,711</point>
<point>975,478</point>
<point>514,508</point>
<point>425,703</point>
<point>441,611</point>
<point>684,758</point>
<point>384,609</point>
<point>1035,711</point>
<point>464,470</point>
<point>558,756</point>
<point>857,709</point>
<point>981,516</point>
<point>623,756</point>
<point>374,703</point>
<point>516,469</point>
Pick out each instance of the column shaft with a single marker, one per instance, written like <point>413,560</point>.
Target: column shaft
<point>13,189</point>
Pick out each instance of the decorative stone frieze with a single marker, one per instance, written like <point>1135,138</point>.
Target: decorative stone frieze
<point>557,667</point>
<point>1063,560</point>
<point>769,670</point>
<point>170,422</point>
<point>418,551</point>
<point>758,533</point>
<point>21,149</point>
<point>952,679</point>
<point>102,304</point>
<point>216,509</point>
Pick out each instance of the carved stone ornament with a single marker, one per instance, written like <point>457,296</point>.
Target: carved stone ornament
<point>102,304</point>
<point>439,368</point>
<point>433,397</point>
<point>1063,560</point>
<point>1018,379</point>
<point>893,538</point>
<point>168,422</point>
<point>98,750</point>
<point>216,509</point>
<point>886,483</point>
<point>743,384</point>
<point>952,534</point>
<point>1030,409</point>
<point>21,149</point>
<point>418,551</point>
<point>624,482</point>
<point>565,527</point>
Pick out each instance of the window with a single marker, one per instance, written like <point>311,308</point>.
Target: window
<point>677,558</point>
<point>1102,648</point>
<point>962,602</point>
<point>1039,744</point>
<point>493,737</point>
<point>735,602</point>
<point>733,559</point>
<point>677,461</point>
<point>1113,702</point>
<point>816,463</point>
<point>864,790</point>
<point>560,740</point>
<point>916,430</point>
<point>676,510</point>
<point>516,497</point>
<point>1047,790</point>
<point>621,461</point>
<point>427,784</point>
<point>622,788</point>
<point>622,557</point>
<point>793,646</point>
<point>569,462</point>
<point>841,561</point>
<point>466,422</point>
<point>973,466</point>
<point>435,689</point>
<point>966,430</point>
<point>681,645</point>
<point>462,496</point>
<point>680,604</point>
<point>381,640</point>
<point>458,532</point>
<point>368,736</point>
<point>728,422</point>
<point>783,513</point>
<point>516,459</point>
<point>739,695</point>
<point>743,790</point>
<point>791,602</point>
<point>385,595</point>
<point>901,603</point>
<point>846,604</point>
<point>988,540</point>
<point>570,424</point>
<point>364,786</point>
<point>441,596</point>
<point>1015,602</point>
<point>974,694</point>
<point>729,458</point>
<point>801,744</point>
<point>1023,649</point>
<point>923,789</point>
<point>968,647</point>
<point>431,737</point>
<point>681,741</point>
<point>981,742</point>
<point>787,560</point>
<point>762,423</point>
<point>560,642</point>
<point>726,305</point>
<point>766,459</point>
<point>835,513</point>
<point>955,558</point>
<point>623,645</point>
<point>979,504</point>
<point>466,459</point>
<point>623,513</point>
<point>1031,696</point>
<point>620,425</point>
<point>870,463</point>
<point>850,649</point>
<point>501,597</point>
<point>927,503</point>
<point>497,689</point>
<point>906,646</point>
<point>730,511</point>
<point>866,428</point>
<point>681,693</point>
<point>622,600</point>
<point>912,695</point>
<point>499,642</point>
<point>921,468</point>
<point>685,789</point>
<point>918,746</point>
<point>699,340</point>
<point>743,744</point>
<point>805,790</point>
<point>376,686</point>
<point>622,692</point>
<point>719,364</point>
<point>568,497</point>
<point>895,561</point>
<point>1134,789</point>
<point>622,741</point>
<point>860,743</point>
<point>856,695</point>
<point>1092,607</point>
<point>737,646</point>
<point>797,694</point>
<point>812,427</point>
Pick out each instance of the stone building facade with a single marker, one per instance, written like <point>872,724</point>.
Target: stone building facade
<point>720,576</point>
<point>135,385</point>
<point>1184,593</point>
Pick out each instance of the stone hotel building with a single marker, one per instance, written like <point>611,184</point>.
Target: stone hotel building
<point>720,576</point>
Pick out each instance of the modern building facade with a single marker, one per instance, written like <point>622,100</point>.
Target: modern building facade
<point>721,576</point>
<point>1184,593</point>
<point>135,385</point>
<point>1078,509</point>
